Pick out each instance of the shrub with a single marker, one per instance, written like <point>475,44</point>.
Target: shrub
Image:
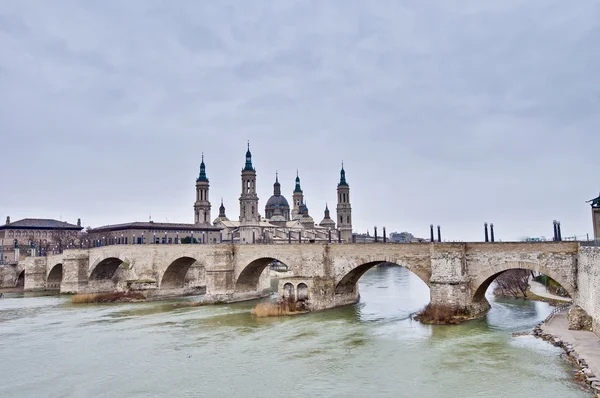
<point>441,314</point>
<point>112,297</point>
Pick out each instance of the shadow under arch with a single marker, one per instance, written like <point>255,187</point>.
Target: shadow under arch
<point>248,279</point>
<point>106,268</point>
<point>482,283</point>
<point>174,276</point>
<point>20,282</point>
<point>55,277</point>
<point>348,283</point>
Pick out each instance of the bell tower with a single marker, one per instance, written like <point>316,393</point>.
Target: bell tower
<point>344,210</point>
<point>297,197</point>
<point>202,204</point>
<point>248,198</point>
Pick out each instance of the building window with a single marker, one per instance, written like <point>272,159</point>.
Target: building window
<point>341,219</point>
<point>348,219</point>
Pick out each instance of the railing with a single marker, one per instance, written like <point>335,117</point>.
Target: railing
<point>556,310</point>
<point>595,243</point>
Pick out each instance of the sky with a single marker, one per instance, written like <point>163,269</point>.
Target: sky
<point>452,113</point>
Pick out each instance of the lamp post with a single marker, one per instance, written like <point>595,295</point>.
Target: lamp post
<point>165,237</point>
<point>177,239</point>
<point>143,238</point>
<point>154,240</point>
<point>122,239</point>
<point>133,243</point>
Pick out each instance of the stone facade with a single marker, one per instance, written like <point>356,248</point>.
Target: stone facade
<point>588,281</point>
<point>458,274</point>
<point>138,233</point>
<point>36,236</point>
<point>596,221</point>
<point>10,275</point>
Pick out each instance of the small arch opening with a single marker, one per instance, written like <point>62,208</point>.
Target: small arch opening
<point>302,291</point>
<point>288,292</point>
<point>20,283</point>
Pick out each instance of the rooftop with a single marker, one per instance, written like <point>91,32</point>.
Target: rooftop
<point>40,223</point>
<point>155,226</point>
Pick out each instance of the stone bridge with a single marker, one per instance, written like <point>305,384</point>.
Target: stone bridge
<point>321,275</point>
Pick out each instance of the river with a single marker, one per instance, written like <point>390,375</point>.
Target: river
<point>52,348</point>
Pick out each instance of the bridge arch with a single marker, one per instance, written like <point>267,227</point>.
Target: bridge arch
<point>174,275</point>
<point>248,279</point>
<point>480,285</point>
<point>105,268</point>
<point>55,277</point>
<point>347,284</point>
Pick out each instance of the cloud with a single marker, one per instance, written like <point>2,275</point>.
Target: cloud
<point>452,113</point>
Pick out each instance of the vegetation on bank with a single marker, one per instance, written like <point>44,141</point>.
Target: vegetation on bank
<point>515,283</point>
<point>113,297</point>
<point>512,283</point>
<point>282,308</point>
<point>552,302</point>
<point>551,285</point>
<point>442,315</point>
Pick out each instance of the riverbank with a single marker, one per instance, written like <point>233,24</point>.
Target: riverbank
<point>538,291</point>
<point>582,348</point>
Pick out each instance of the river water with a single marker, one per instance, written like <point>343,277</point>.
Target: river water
<point>52,348</point>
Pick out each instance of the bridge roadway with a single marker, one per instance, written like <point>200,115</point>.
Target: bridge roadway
<point>324,275</point>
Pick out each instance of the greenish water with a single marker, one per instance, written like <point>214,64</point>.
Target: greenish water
<point>51,348</point>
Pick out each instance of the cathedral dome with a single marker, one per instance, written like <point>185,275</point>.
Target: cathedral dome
<point>277,200</point>
<point>277,204</point>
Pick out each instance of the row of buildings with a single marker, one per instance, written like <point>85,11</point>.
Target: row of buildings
<point>281,223</point>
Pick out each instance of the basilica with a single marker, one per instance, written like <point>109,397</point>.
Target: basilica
<point>281,223</point>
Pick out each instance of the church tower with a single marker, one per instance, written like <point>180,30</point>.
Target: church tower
<point>202,204</point>
<point>297,197</point>
<point>248,199</point>
<point>344,210</point>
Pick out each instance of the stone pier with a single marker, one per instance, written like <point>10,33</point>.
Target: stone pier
<point>320,275</point>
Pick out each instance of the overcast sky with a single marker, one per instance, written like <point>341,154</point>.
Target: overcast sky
<point>444,112</point>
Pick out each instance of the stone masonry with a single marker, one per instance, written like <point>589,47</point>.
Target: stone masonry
<point>326,275</point>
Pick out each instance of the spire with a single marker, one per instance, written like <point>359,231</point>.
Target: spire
<point>343,177</point>
<point>277,186</point>
<point>222,209</point>
<point>297,189</point>
<point>248,165</point>
<point>327,217</point>
<point>202,176</point>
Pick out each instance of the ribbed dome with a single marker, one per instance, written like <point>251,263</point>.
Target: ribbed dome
<point>277,200</point>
